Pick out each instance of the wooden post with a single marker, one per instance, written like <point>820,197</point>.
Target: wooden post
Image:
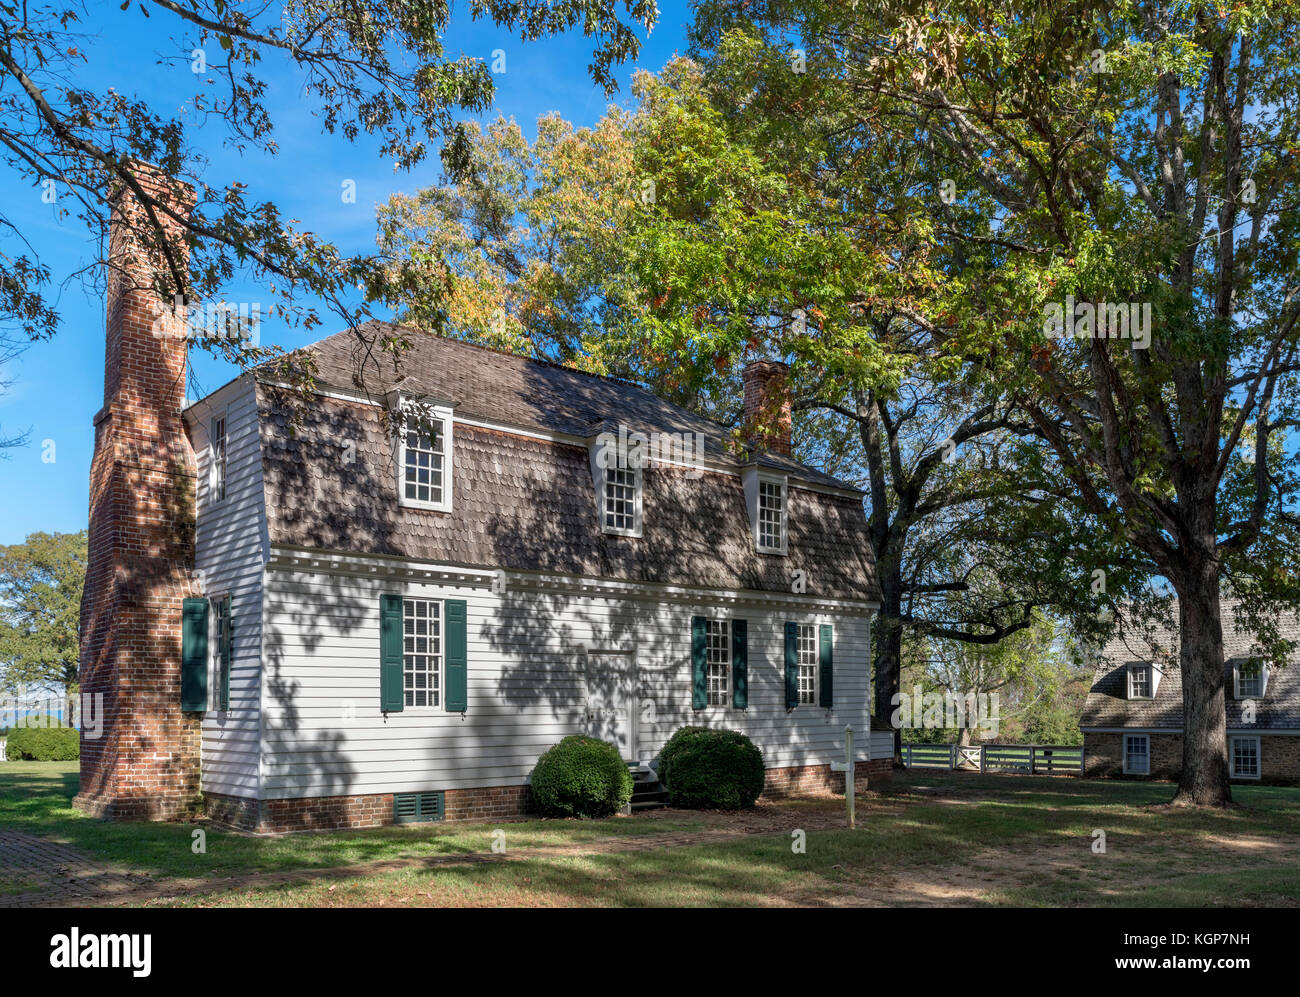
<point>850,797</point>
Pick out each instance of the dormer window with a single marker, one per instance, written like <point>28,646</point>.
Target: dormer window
<point>771,516</point>
<point>1140,682</point>
<point>1250,678</point>
<point>766,494</point>
<point>620,501</point>
<point>618,475</point>
<point>424,458</point>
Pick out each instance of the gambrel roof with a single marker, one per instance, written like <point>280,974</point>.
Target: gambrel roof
<point>526,503</point>
<point>1108,704</point>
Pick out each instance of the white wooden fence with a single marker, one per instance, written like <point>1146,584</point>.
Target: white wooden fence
<point>1027,759</point>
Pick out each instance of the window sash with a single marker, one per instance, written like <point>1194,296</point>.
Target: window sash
<point>717,667</point>
<point>1244,756</point>
<point>422,653</point>
<point>1250,684</point>
<point>809,664</point>
<point>1137,754</point>
<point>771,515</point>
<point>218,477</point>
<point>220,650</point>
<point>618,500</point>
<point>424,463</point>
<point>1139,682</point>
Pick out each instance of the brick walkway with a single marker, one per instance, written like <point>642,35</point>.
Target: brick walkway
<point>60,876</point>
<point>54,875</point>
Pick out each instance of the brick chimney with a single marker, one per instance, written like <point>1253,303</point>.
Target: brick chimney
<point>767,405</point>
<point>145,763</point>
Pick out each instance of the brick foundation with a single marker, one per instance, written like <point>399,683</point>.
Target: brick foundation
<point>373,810</point>
<point>481,804</point>
<point>145,764</point>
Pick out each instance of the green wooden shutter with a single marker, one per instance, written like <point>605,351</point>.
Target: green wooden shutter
<point>457,669</point>
<point>227,651</point>
<point>194,655</point>
<point>699,662</point>
<point>390,654</point>
<point>827,666</point>
<point>739,664</point>
<point>791,665</point>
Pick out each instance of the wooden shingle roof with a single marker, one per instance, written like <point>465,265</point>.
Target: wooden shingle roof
<point>1107,704</point>
<point>523,503</point>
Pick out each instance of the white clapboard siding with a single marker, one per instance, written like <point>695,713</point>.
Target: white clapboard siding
<point>323,733</point>
<point>230,551</point>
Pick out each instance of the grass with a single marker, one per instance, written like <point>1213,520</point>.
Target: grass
<point>36,797</point>
<point>936,838</point>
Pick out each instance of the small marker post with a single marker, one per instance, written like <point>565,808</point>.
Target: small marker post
<point>849,787</point>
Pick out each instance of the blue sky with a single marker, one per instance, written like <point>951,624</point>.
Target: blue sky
<point>58,385</point>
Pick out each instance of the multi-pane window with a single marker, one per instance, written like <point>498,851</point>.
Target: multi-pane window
<point>718,661</point>
<point>1245,757</point>
<point>423,454</point>
<point>808,665</point>
<point>1250,680</point>
<point>422,652</point>
<point>218,472</point>
<point>771,515</point>
<point>1139,681</point>
<point>1137,754</point>
<point>618,504</point>
<point>221,642</point>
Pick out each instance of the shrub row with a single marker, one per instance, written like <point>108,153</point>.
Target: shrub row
<point>43,744</point>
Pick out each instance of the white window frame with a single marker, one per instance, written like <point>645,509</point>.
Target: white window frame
<point>610,452</point>
<point>218,458</point>
<point>216,680</point>
<point>754,479</point>
<point>722,630</point>
<point>438,414</point>
<point>1236,681</point>
<point>813,663</point>
<point>439,669</point>
<point>603,500</point>
<point>1151,680</point>
<point>1232,756</point>
<point>1124,748</point>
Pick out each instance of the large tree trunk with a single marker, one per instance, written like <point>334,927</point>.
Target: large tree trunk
<point>887,657</point>
<point>1204,779</point>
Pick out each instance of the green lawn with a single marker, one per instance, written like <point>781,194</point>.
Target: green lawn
<point>936,838</point>
<point>36,797</point>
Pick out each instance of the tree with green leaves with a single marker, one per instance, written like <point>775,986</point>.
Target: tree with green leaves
<point>1026,671</point>
<point>378,71</point>
<point>41,581</point>
<point>518,250</point>
<point>1081,158</point>
<point>766,240</point>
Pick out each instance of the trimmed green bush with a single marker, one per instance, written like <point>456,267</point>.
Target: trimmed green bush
<point>581,777</point>
<point>708,769</point>
<point>43,744</point>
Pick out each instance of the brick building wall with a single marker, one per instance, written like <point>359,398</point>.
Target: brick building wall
<point>1103,758</point>
<point>145,764</point>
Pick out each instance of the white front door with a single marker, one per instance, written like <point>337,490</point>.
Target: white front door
<point>611,713</point>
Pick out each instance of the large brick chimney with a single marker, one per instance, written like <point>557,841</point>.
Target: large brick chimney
<point>145,764</point>
<point>767,405</point>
